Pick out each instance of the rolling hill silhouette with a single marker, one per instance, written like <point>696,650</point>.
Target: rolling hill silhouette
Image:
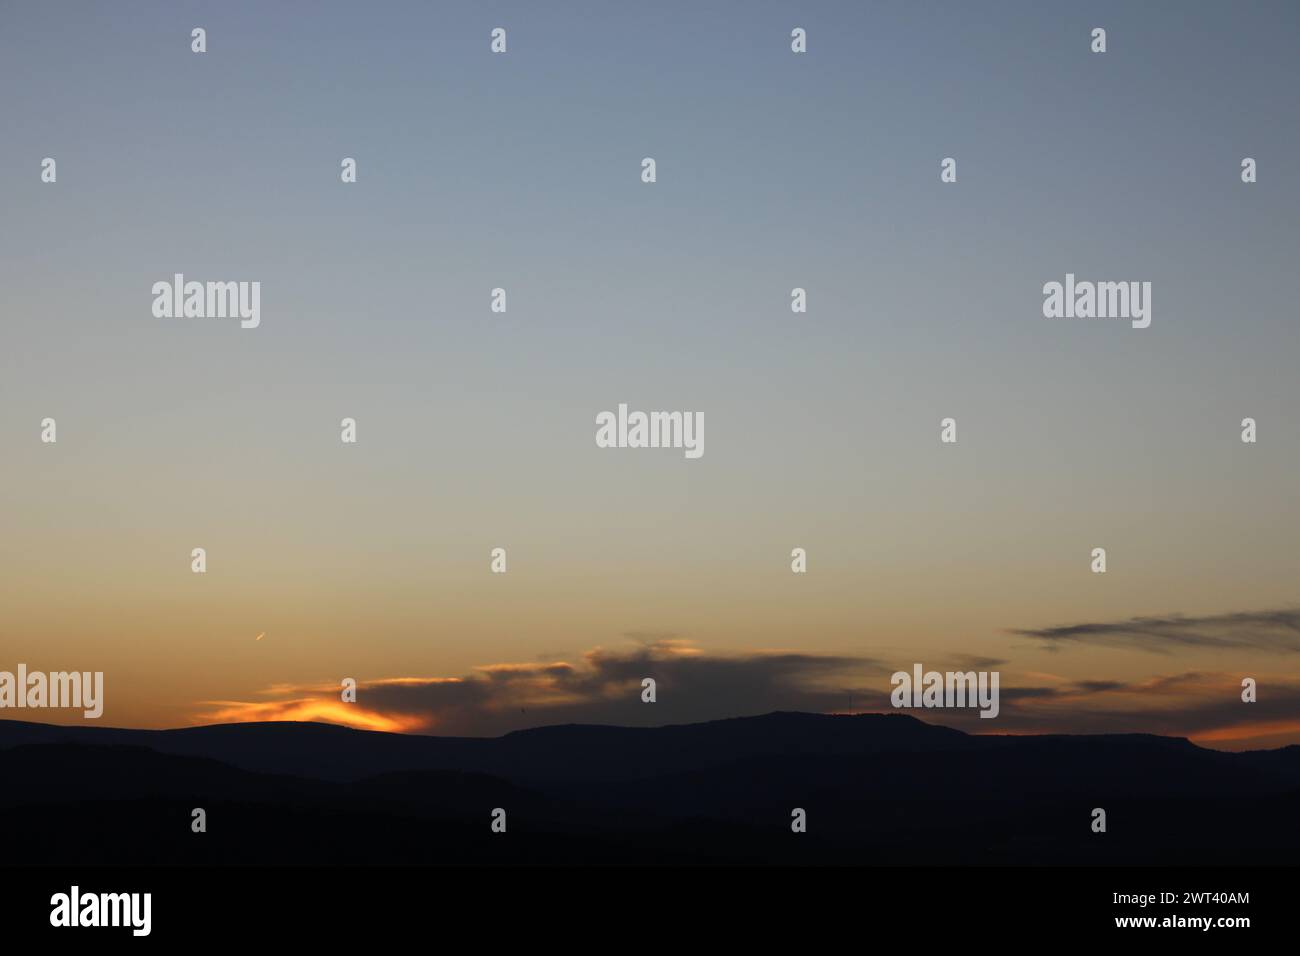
<point>876,789</point>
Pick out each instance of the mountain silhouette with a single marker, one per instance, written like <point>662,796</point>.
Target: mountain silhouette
<point>875,788</point>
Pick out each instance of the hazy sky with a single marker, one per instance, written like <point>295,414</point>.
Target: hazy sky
<point>476,430</point>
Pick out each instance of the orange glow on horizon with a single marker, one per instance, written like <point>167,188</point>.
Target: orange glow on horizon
<point>1251,731</point>
<point>328,711</point>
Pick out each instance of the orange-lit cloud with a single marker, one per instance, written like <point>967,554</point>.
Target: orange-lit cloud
<point>329,711</point>
<point>1289,729</point>
<point>605,688</point>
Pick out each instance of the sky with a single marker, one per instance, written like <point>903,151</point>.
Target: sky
<point>476,429</point>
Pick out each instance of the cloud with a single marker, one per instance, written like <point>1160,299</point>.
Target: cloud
<point>1276,632</point>
<point>307,708</point>
<point>973,662</point>
<point>1205,707</point>
<point>605,687</point>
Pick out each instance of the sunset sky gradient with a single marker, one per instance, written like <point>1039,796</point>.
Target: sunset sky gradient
<point>477,430</point>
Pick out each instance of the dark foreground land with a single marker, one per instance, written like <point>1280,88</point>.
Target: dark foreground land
<point>877,790</point>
